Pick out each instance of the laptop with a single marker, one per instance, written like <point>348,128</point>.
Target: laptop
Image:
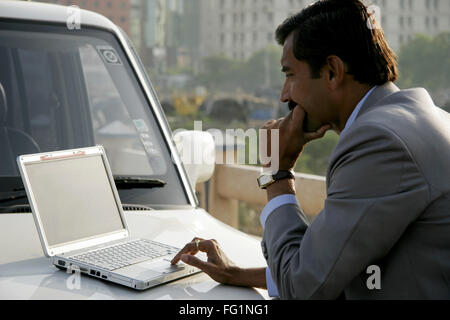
<point>81,223</point>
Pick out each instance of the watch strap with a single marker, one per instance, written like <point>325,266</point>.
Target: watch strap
<point>279,175</point>
<point>283,174</point>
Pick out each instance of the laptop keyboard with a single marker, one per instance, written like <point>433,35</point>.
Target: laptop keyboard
<point>125,254</point>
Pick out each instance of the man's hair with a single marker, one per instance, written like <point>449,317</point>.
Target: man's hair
<point>341,28</point>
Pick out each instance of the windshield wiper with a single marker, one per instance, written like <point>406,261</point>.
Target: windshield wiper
<point>121,183</point>
<point>136,207</point>
<point>14,196</point>
<point>25,208</point>
<point>137,183</point>
<point>16,208</point>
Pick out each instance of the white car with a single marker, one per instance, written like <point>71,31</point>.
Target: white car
<point>72,79</point>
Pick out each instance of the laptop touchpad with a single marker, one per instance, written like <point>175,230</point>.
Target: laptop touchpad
<point>149,269</point>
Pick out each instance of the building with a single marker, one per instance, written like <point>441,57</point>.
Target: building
<point>239,28</point>
<point>402,19</point>
<point>118,11</point>
<point>162,26</point>
<point>127,14</point>
<point>181,32</point>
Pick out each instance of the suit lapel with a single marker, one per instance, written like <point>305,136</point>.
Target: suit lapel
<point>377,94</point>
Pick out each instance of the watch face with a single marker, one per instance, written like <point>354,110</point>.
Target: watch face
<point>263,180</point>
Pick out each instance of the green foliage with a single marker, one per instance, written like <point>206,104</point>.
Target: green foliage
<point>219,73</point>
<point>314,158</point>
<point>262,69</point>
<point>316,155</point>
<point>425,62</point>
<point>225,74</point>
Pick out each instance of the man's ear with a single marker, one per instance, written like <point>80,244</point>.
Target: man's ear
<point>335,69</point>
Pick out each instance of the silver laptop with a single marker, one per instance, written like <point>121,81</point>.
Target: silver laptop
<point>81,223</point>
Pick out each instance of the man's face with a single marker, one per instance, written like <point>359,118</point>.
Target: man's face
<point>309,94</point>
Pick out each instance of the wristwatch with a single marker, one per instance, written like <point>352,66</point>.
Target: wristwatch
<point>266,179</point>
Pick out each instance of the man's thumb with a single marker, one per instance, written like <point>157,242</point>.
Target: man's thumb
<point>194,261</point>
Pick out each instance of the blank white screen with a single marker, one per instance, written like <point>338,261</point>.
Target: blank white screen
<point>74,199</point>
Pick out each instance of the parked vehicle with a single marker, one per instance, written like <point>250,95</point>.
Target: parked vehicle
<point>64,88</point>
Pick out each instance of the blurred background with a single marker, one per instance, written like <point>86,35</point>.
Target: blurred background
<point>217,61</point>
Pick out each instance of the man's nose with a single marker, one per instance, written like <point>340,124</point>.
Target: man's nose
<point>284,97</point>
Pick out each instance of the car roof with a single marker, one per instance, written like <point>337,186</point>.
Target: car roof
<point>26,10</point>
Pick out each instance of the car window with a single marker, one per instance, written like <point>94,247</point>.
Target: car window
<point>40,89</point>
<point>131,140</point>
<point>69,90</point>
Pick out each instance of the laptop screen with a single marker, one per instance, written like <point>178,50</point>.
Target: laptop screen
<point>74,198</point>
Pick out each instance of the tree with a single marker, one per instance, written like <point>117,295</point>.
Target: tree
<point>219,73</point>
<point>261,70</point>
<point>425,62</point>
<point>316,156</point>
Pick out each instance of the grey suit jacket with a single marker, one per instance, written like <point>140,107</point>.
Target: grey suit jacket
<point>388,204</point>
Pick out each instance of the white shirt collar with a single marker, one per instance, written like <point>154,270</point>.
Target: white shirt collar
<point>355,112</point>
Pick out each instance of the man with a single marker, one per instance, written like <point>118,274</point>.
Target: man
<point>388,182</point>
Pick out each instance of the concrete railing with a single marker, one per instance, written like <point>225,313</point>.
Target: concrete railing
<point>231,183</point>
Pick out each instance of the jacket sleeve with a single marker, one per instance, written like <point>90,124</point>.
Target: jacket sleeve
<point>375,190</point>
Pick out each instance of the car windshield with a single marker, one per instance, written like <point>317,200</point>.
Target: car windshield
<point>64,90</point>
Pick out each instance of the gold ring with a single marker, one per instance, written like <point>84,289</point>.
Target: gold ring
<point>196,243</point>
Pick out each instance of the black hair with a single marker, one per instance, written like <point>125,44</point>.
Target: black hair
<point>342,28</point>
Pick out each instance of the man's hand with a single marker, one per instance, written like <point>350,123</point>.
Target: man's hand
<point>292,138</point>
<point>218,266</point>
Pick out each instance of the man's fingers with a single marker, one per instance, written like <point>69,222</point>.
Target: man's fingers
<point>273,124</point>
<point>196,245</point>
<point>196,262</point>
<point>189,248</point>
<point>208,246</point>
<point>317,134</point>
<point>268,124</point>
<point>297,116</point>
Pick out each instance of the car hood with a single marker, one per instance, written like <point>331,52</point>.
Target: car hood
<point>27,274</point>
